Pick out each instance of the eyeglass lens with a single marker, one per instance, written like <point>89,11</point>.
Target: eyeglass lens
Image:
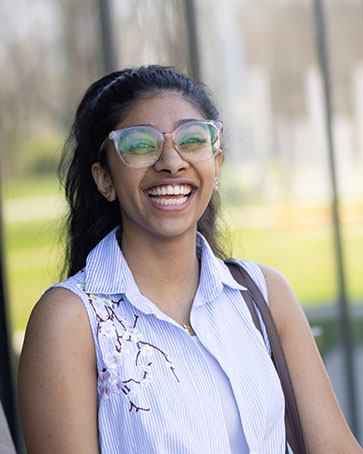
<point>140,145</point>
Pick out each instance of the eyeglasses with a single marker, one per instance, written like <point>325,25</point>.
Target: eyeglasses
<point>141,146</point>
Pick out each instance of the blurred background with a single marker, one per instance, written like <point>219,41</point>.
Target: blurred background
<point>287,76</point>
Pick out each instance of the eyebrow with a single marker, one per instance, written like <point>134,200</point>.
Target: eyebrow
<point>185,120</point>
<point>177,124</point>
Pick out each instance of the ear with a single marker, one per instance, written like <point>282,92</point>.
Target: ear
<point>218,163</point>
<point>103,182</point>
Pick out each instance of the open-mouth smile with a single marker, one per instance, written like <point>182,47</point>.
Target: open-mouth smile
<point>170,195</point>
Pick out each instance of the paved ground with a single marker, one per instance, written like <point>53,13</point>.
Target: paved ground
<point>334,363</point>
<point>34,208</point>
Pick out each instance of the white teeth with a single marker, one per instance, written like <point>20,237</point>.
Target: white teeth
<point>170,190</point>
<point>171,201</point>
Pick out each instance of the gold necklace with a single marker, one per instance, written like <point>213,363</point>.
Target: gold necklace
<point>188,329</point>
<point>185,326</point>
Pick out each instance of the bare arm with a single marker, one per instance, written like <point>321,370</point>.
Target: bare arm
<point>324,426</point>
<point>57,378</point>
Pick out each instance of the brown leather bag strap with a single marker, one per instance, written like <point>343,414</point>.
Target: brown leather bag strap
<point>294,433</point>
<point>239,276</point>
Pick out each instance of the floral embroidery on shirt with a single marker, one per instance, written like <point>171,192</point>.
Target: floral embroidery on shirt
<point>129,345</point>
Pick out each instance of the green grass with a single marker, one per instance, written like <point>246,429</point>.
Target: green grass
<point>33,257</point>
<point>305,255</point>
<point>30,187</point>
<point>31,235</point>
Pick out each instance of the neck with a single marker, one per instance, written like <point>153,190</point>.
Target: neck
<point>166,270</point>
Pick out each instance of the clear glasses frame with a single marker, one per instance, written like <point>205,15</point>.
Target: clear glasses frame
<point>115,136</point>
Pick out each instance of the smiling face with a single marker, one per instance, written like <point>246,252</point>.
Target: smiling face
<point>168,198</point>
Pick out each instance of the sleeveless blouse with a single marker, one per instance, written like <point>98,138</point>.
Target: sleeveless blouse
<point>157,391</point>
<point>237,439</point>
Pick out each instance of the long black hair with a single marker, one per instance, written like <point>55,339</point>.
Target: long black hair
<point>103,106</point>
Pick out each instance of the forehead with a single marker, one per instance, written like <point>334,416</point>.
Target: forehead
<point>162,110</point>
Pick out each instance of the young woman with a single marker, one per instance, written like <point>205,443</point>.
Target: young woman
<point>148,346</point>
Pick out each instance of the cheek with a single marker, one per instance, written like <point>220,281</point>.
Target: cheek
<point>127,185</point>
<point>125,178</point>
<point>209,173</point>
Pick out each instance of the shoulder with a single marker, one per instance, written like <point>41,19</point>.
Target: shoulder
<point>58,323</point>
<point>276,282</point>
<point>58,307</point>
<point>285,307</point>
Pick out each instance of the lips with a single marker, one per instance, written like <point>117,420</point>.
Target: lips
<point>170,195</point>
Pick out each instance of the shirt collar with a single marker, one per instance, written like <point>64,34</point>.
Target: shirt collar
<point>214,273</point>
<point>107,271</point>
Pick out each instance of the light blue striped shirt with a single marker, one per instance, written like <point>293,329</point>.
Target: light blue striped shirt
<point>156,392</point>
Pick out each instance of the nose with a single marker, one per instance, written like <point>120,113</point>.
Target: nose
<point>170,160</point>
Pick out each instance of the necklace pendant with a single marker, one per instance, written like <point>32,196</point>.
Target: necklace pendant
<point>189,329</point>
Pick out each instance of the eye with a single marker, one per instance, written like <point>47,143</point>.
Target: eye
<point>192,138</point>
<point>193,141</point>
<point>137,142</point>
<point>138,147</point>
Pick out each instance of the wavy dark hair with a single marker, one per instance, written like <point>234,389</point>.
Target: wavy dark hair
<point>103,106</point>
